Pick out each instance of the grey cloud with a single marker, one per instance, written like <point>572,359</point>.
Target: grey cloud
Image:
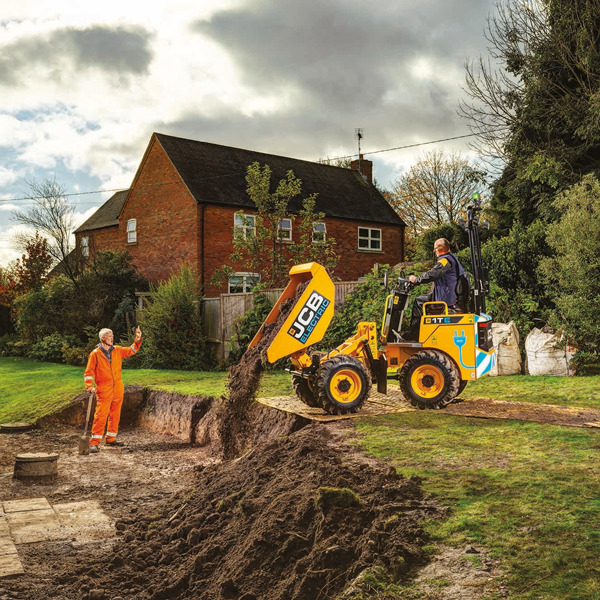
<point>123,51</point>
<point>341,51</point>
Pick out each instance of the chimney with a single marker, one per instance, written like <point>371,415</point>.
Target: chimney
<point>364,167</point>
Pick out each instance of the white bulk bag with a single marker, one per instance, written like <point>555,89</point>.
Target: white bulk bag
<point>505,338</point>
<point>543,355</point>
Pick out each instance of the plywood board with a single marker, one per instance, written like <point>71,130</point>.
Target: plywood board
<point>84,521</point>
<point>12,506</point>
<point>10,565</point>
<point>35,526</point>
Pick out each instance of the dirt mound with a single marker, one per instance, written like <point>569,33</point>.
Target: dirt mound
<point>295,519</point>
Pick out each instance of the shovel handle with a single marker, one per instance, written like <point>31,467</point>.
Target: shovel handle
<point>89,410</point>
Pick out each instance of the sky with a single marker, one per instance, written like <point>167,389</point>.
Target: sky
<point>84,85</point>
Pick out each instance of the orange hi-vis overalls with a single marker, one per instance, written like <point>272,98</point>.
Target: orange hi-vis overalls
<point>109,388</point>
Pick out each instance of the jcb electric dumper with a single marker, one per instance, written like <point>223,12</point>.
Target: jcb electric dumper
<point>452,349</point>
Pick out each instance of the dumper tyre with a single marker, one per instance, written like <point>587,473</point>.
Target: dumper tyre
<point>303,391</point>
<point>461,387</point>
<point>343,385</point>
<point>429,380</point>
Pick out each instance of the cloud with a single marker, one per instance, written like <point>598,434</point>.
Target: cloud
<point>63,53</point>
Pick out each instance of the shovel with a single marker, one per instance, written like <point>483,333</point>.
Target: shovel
<point>84,440</point>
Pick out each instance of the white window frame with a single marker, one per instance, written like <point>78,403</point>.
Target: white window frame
<point>84,245</point>
<point>284,230</point>
<point>319,232</point>
<point>371,238</point>
<point>249,280</point>
<point>244,223</point>
<point>132,231</point>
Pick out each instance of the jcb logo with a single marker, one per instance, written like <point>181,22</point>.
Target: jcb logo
<point>308,317</point>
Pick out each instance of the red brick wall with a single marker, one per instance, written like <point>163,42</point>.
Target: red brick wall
<point>101,239</point>
<point>167,218</point>
<point>218,224</point>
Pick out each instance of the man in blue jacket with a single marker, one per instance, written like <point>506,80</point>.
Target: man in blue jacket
<point>444,276</point>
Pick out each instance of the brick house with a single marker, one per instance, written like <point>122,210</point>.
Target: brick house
<point>181,207</point>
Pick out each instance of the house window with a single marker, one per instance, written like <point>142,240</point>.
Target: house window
<point>244,225</point>
<point>369,239</point>
<point>319,235</point>
<point>284,231</point>
<point>85,247</point>
<point>132,231</point>
<point>240,283</point>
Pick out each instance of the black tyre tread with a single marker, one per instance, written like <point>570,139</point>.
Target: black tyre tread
<point>324,374</point>
<point>461,387</point>
<point>303,391</point>
<point>442,361</point>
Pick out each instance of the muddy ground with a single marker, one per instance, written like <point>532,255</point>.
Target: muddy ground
<point>299,515</point>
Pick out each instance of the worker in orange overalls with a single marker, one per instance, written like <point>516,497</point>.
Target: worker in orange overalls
<point>104,371</point>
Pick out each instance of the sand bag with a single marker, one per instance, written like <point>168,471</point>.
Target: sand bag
<point>543,355</point>
<point>505,338</point>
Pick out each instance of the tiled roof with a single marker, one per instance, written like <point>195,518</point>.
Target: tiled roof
<point>216,174</point>
<point>107,215</point>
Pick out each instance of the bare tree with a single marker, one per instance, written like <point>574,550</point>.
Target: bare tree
<point>52,216</point>
<point>537,85</point>
<point>436,190</point>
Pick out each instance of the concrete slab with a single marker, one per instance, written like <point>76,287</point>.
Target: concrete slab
<point>84,521</point>
<point>10,565</point>
<point>12,506</point>
<point>35,526</point>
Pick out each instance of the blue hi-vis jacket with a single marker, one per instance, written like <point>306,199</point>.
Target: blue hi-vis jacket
<point>444,277</point>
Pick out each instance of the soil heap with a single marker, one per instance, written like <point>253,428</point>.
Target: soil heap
<point>298,519</point>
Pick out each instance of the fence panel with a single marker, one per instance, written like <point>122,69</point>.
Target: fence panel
<point>220,313</point>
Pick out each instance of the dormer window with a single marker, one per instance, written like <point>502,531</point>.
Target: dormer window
<point>132,231</point>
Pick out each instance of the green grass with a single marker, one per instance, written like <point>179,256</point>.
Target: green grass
<point>529,492</point>
<point>567,391</point>
<point>30,390</point>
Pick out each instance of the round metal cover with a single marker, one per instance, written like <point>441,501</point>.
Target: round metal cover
<point>15,427</point>
<point>36,457</point>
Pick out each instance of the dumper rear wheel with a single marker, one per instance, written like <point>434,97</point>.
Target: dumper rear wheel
<point>429,379</point>
<point>343,385</point>
<point>303,391</point>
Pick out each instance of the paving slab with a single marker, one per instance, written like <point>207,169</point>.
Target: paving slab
<point>13,506</point>
<point>84,521</point>
<point>10,565</point>
<point>35,526</point>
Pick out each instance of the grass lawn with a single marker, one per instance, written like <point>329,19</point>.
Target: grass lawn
<point>30,390</point>
<point>529,492</point>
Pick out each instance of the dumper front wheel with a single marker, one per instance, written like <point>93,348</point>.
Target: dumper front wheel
<point>343,385</point>
<point>303,391</point>
<point>429,379</point>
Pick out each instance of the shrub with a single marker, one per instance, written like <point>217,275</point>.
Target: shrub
<point>50,349</point>
<point>172,325</point>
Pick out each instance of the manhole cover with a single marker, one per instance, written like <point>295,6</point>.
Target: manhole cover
<point>15,427</point>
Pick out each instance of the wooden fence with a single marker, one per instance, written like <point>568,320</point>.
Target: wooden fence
<point>220,313</point>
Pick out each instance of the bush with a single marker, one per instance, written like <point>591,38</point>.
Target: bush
<point>172,326</point>
<point>50,349</point>
<point>572,267</point>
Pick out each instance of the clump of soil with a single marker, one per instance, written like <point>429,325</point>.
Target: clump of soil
<point>244,380</point>
<point>299,518</point>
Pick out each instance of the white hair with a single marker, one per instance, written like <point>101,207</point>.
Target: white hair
<point>103,332</point>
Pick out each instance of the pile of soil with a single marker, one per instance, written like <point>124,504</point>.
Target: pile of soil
<point>299,518</point>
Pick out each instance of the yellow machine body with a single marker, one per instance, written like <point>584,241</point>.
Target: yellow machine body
<point>309,319</point>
